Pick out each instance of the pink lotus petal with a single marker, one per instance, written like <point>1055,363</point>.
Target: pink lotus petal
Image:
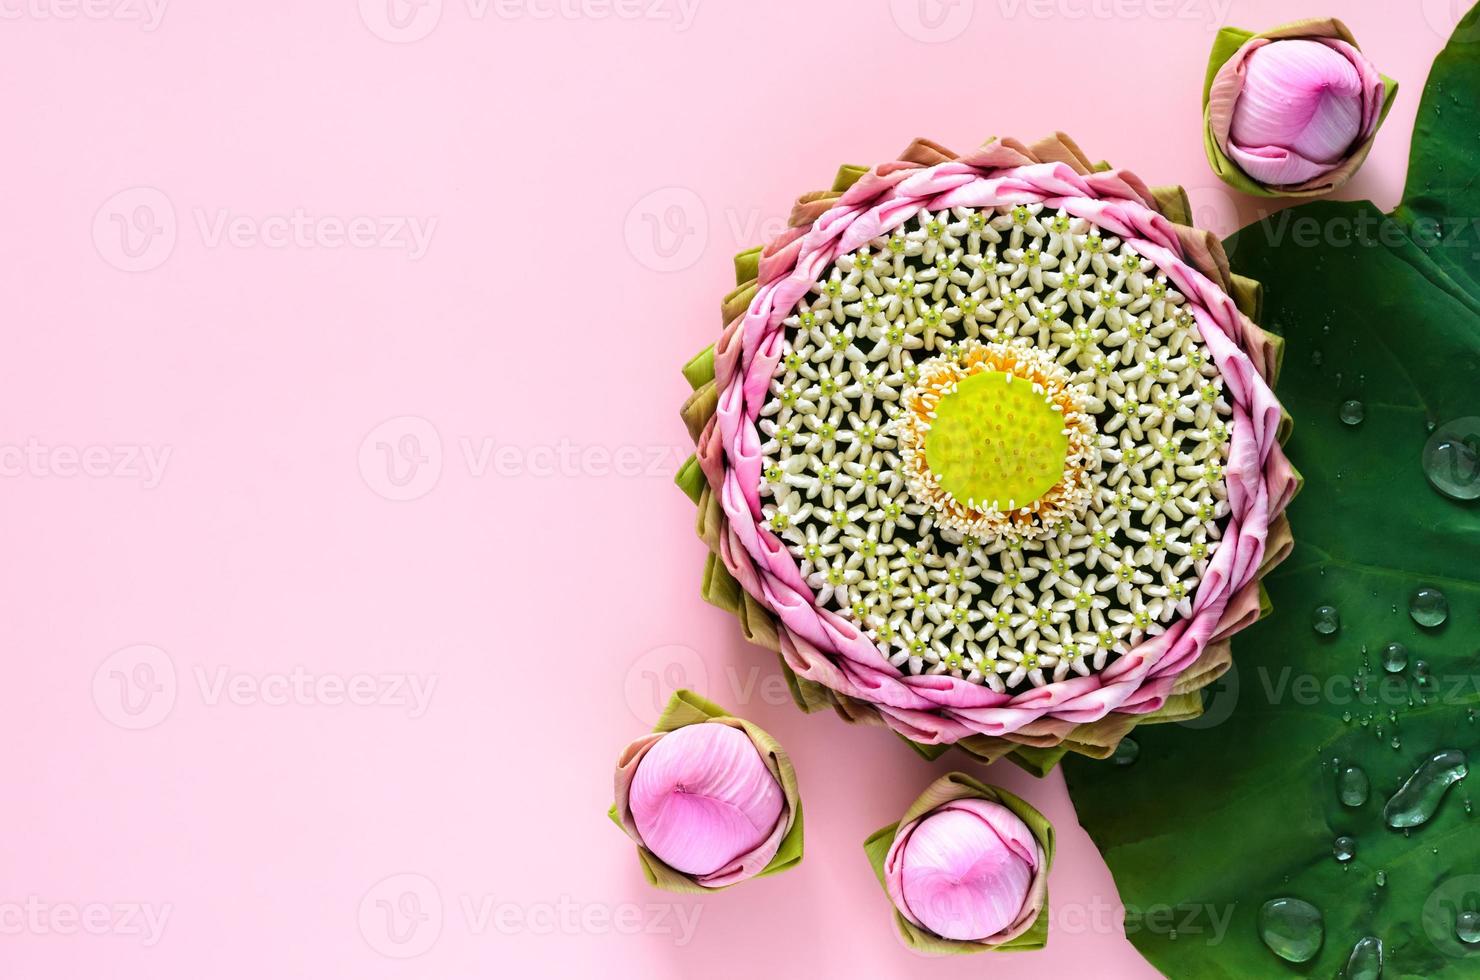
<point>966,870</point>
<point>703,797</point>
<point>1303,106</point>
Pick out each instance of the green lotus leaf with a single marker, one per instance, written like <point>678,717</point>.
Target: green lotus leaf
<point>1241,806</point>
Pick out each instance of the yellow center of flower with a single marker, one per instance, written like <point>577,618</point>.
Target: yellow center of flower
<point>996,442</point>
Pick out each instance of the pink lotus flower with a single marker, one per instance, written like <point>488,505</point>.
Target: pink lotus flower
<point>1297,112</point>
<point>969,870</point>
<point>711,800</point>
<point>702,797</point>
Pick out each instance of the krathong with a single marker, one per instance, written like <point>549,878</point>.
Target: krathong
<point>1292,111</point>
<point>987,451</point>
<point>967,869</point>
<point>711,800</point>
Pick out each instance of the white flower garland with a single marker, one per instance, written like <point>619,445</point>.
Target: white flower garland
<point>1008,610</point>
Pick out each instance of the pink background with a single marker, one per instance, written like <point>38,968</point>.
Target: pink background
<point>236,456</point>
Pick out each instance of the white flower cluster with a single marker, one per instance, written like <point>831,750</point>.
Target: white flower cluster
<point>1009,611</point>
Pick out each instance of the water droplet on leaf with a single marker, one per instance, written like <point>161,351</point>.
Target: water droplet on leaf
<point>1365,962</point>
<point>1394,657</point>
<point>1419,796</point>
<point>1292,929</point>
<point>1353,412</point>
<point>1352,786</point>
<point>1467,927</point>
<point>1428,606</point>
<point>1345,848</point>
<point>1126,752</point>
<point>1325,620</point>
<point>1451,459</point>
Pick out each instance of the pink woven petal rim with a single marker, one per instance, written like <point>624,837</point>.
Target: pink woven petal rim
<point>820,645</point>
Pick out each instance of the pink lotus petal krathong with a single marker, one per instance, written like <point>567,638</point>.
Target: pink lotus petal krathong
<point>969,870</point>
<point>702,797</point>
<point>821,646</point>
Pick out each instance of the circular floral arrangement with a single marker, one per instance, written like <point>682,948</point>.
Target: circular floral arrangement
<point>989,452</point>
<point>1001,532</point>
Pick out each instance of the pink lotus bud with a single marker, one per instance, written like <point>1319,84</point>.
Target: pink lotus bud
<point>968,870</point>
<point>1297,113</point>
<point>702,798</point>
